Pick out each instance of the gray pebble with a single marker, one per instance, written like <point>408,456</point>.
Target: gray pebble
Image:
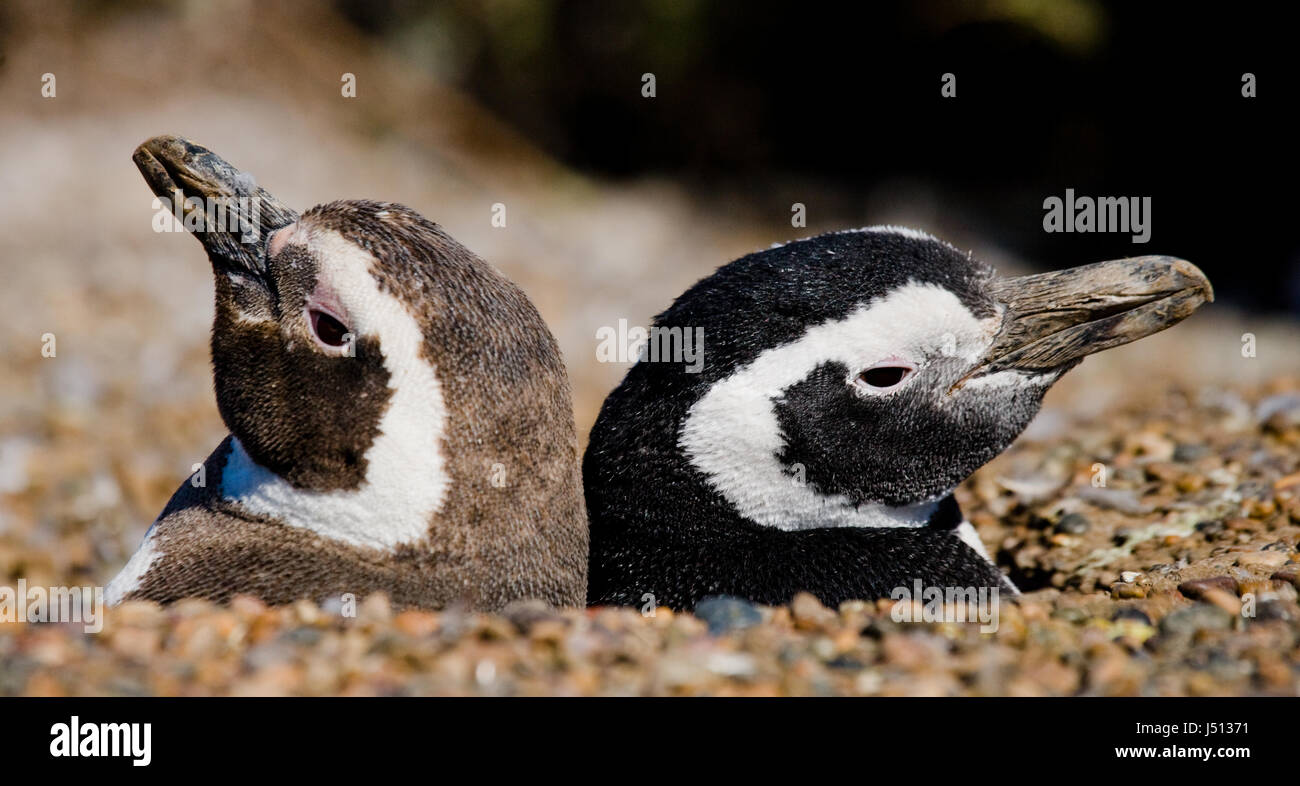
<point>1131,613</point>
<point>1200,616</point>
<point>1209,527</point>
<point>524,614</point>
<point>1185,452</point>
<point>725,612</point>
<point>1284,403</point>
<point>1122,500</point>
<point>1272,610</point>
<point>1073,524</point>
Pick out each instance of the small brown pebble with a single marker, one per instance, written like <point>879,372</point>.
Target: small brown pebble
<point>247,606</point>
<point>1159,470</point>
<point>1289,481</point>
<point>1290,574</point>
<point>1262,587</point>
<point>809,613</point>
<point>1227,601</point>
<point>1196,588</point>
<point>139,613</point>
<point>1262,508</point>
<point>549,631</point>
<point>375,608</point>
<point>910,651</point>
<point>1126,591</point>
<point>136,642</point>
<point>1262,559</point>
<point>1150,444</point>
<point>526,613</point>
<point>853,607</point>
<point>307,612</point>
<point>494,628</point>
<point>1275,672</point>
<point>413,622</point>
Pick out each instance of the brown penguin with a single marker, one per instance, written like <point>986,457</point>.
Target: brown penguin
<point>400,415</point>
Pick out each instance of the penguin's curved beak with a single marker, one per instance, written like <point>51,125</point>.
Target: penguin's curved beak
<point>1052,320</point>
<point>226,210</point>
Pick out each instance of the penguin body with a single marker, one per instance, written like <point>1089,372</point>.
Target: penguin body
<point>400,421</point>
<point>851,381</point>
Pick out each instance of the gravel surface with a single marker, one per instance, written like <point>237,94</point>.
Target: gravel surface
<point>1178,577</point>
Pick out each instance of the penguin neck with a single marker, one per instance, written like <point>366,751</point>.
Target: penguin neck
<point>406,481</point>
<point>731,438</point>
<point>633,449</point>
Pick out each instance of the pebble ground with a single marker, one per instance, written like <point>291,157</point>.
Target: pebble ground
<point>1177,577</point>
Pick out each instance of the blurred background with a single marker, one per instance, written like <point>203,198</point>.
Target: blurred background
<point>616,202</point>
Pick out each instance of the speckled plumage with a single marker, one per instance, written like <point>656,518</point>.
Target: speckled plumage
<point>776,469</point>
<point>508,521</point>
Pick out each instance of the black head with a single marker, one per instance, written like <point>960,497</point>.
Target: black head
<point>855,378</point>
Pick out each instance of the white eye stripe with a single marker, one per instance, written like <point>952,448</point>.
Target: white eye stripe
<point>732,435</point>
<point>406,479</point>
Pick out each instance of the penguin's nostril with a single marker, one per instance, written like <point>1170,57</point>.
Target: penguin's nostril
<point>329,330</point>
<point>884,376</point>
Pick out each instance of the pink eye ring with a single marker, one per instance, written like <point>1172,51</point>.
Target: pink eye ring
<point>328,330</point>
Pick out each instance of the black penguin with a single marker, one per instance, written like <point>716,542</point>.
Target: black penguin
<point>848,383</point>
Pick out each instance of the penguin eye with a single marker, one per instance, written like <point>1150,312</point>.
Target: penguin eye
<point>884,376</point>
<point>329,330</point>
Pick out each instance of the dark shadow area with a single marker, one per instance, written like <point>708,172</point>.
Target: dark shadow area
<point>1105,98</point>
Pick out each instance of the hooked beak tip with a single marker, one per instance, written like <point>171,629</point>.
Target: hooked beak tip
<point>1196,280</point>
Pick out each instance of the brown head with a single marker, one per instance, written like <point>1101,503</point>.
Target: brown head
<point>385,388</point>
